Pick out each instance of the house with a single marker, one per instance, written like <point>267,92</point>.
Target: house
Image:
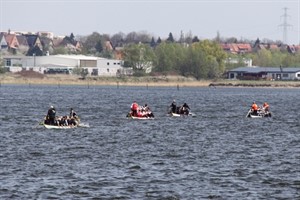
<point>94,66</point>
<point>45,34</point>
<point>236,48</point>
<point>12,42</point>
<point>47,45</point>
<point>246,61</point>
<point>108,46</point>
<point>71,45</point>
<point>266,73</point>
<point>118,53</point>
<point>3,43</point>
<point>293,48</point>
<point>23,45</point>
<point>33,41</point>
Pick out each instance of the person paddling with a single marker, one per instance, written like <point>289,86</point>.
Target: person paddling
<point>254,108</point>
<point>185,109</point>
<point>266,107</point>
<point>173,107</point>
<point>134,108</point>
<point>72,113</point>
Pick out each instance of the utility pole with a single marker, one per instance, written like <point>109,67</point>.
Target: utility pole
<point>285,25</point>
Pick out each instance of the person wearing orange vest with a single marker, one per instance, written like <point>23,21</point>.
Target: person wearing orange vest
<point>266,107</point>
<point>134,108</point>
<point>254,108</point>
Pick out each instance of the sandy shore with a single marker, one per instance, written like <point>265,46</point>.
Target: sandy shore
<point>163,81</point>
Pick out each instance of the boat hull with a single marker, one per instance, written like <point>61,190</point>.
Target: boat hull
<point>141,118</point>
<point>181,115</point>
<point>260,115</point>
<point>47,126</point>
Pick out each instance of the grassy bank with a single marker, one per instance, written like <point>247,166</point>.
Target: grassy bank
<point>164,81</point>
<point>124,81</point>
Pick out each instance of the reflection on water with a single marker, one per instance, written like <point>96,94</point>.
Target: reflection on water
<point>219,154</point>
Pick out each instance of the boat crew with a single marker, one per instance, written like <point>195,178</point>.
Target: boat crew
<point>184,109</point>
<point>173,107</point>
<point>134,108</point>
<point>254,108</point>
<point>266,107</point>
<point>51,115</point>
<point>72,113</point>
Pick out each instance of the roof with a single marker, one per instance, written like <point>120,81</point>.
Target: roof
<point>78,57</point>
<point>31,39</point>
<point>46,41</point>
<point>22,40</point>
<point>266,69</point>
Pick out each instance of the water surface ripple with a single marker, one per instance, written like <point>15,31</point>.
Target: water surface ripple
<point>219,154</point>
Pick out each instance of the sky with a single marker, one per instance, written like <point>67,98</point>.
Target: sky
<point>252,19</point>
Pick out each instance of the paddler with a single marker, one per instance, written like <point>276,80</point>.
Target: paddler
<point>134,108</point>
<point>254,108</point>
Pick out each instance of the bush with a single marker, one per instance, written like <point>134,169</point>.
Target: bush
<point>2,70</point>
<point>139,73</point>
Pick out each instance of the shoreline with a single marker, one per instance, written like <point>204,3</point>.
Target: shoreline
<point>150,81</point>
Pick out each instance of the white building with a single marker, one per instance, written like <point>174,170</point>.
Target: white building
<point>246,61</point>
<point>94,66</point>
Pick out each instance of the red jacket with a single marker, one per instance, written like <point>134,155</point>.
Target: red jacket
<point>134,106</point>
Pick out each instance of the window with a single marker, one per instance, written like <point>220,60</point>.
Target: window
<point>285,75</point>
<point>8,62</point>
<point>107,63</point>
<point>298,75</point>
<point>107,70</point>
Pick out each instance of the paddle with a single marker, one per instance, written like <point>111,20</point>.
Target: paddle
<point>248,113</point>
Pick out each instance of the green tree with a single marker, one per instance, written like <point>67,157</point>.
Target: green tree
<point>2,68</point>
<point>170,38</point>
<point>158,40</point>
<point>138,56</point>
<point>152,43</point>
<point>60,50</point>
<point>213,53</point>
<point>195,39</point>
<point>263,58</point>
<point>193,63</point>
<point>89,45</point>
<point>81,72</point>
<point>99,46</point>
<point>167,57</point>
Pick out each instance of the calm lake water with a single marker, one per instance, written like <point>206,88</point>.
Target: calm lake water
<point>219,154</point>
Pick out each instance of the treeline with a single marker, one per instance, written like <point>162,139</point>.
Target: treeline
<point>204,59</point>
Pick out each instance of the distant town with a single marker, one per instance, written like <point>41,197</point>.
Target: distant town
<point>139,53</point>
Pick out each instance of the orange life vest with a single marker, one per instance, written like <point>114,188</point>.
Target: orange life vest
<point>254,106</point>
